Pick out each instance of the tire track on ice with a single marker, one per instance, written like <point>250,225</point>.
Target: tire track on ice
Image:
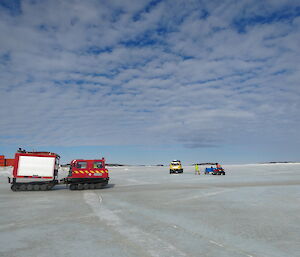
<point>153,245</point>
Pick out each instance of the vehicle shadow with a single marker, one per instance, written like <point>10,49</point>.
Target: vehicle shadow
<point>64,187</point>
<point>109,186</point>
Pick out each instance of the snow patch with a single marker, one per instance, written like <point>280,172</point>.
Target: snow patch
<point>5,171</point>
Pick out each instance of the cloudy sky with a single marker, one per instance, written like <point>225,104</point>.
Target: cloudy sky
<point>144,81</point>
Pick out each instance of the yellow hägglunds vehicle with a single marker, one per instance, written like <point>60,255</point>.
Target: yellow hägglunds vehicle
<point>176,167</point>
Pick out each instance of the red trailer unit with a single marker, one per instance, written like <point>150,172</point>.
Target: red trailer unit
<point>87,174</point>
<point>37,170</point>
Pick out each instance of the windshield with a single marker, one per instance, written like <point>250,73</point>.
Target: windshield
<point>81,165</point>
<point>98,165</point>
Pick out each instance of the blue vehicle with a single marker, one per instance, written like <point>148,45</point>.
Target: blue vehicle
<point>214,171</point>
<point>209,170</point>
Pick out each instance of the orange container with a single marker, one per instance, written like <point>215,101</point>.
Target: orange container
<point>9,162</point>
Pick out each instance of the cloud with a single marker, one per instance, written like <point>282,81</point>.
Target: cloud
<point>149,72</point>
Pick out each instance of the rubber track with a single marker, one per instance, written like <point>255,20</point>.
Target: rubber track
<point>86,186</point>
<point>31,187</point>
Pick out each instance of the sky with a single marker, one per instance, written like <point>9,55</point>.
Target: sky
<point>146,82</point>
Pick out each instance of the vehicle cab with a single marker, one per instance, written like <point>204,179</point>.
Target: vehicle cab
<point>176,167</point>
<point>88,169</point>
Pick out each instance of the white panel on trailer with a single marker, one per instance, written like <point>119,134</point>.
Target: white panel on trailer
<point>36,166</point>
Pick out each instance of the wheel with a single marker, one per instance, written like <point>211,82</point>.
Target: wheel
<point>49,186</point>
<point>14,188</point>
<point>92,186</point>
<point>29,187</point>
<point>80,186</point>
<point>36,187</point>
<point>73,187</point>
<point>86,186</point>
<point>44,187</point>
<point>23,187</point>
<point>98,185</point>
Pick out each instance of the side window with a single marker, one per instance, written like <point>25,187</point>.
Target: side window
<point>98,165</point>
<point>81,165</point>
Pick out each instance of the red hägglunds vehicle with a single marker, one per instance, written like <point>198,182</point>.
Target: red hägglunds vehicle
<point>38,171</point>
